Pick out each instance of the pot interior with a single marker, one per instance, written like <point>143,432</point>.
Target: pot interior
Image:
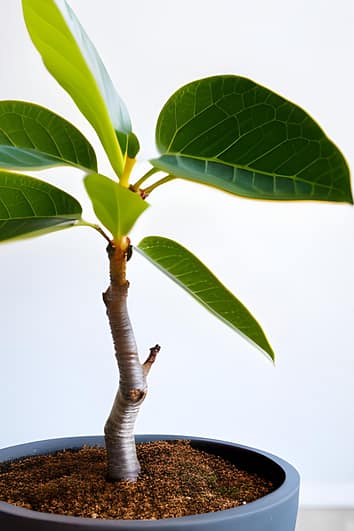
<point>245,459</point>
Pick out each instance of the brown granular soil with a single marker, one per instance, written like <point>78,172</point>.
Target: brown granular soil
<point>176,480</point>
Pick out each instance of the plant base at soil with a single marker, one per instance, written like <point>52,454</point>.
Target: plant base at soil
<point>176,480</point>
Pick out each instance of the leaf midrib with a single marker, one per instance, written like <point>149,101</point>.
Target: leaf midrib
<point>104,133</point>
<point>199,299</point>
<point>208,107</point>
<point>52,118</point>
<point>79,55</point>
<point>251,170</point>
<point>37,153</point>
<point>22,190</point>
<point>59,216</point>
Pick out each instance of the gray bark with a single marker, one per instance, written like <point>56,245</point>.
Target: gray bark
<point>119,429</point>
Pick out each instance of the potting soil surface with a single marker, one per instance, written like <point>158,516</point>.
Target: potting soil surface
<point>175,480</point>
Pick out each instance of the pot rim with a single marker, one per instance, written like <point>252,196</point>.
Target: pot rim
<point>286,490</point>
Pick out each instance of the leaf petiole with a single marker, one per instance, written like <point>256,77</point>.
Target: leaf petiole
<point>83,223</point>
<point>147,191</point>
<point>142,179</point>
<point>129,165</point>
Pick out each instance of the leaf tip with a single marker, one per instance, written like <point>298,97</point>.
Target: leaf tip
<point>268,352</point>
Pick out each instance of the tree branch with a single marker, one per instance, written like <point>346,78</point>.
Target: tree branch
<point>151,359</point>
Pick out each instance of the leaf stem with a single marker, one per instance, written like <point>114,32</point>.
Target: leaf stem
<point>129,165</point>
<point>164,180</point>
<point>83,223</point>
<point>146,176</point>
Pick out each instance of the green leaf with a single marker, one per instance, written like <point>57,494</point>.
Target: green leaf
<point>32,137</point>
<point>72,59</point>
<point>133,146</point>
<point>29,207</point>
<point>193,276</point>
<point>117,207</point>
<point>233,134</point>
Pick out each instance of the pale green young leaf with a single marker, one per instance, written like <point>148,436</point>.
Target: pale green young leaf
<point>231,133</point>
<point>34,138</point>
<point>193,276</point>
<point>117,207</point>
<point>72,59</point>
<point>30,207</point>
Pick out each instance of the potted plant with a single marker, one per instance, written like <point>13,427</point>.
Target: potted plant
<point>225,131</point>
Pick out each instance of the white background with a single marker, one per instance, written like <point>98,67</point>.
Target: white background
<point>291,264</point>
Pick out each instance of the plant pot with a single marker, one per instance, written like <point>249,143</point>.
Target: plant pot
<point>275,512</point>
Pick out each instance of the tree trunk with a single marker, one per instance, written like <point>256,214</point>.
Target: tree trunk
<point>119,436</point>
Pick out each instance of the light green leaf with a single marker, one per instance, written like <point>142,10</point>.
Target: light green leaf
<point>233,134</point>
<point>30,207</point>
<point>32,137</point>
<point>192,275</point>
<point>117,207</point>
<point>72,59</point>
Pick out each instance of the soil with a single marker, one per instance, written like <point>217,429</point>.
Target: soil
<point>176,480</point>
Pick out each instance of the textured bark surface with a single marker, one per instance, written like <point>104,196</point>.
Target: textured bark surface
<point>119,429</point>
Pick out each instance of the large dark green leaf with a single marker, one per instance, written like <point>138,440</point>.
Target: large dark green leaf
<point>192,275</point>
<point>29,207</point>
<point>32,137</point>
<point>231,133</point>
<point>72,59</point>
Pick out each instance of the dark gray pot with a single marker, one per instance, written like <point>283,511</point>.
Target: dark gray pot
<point>275,512</point>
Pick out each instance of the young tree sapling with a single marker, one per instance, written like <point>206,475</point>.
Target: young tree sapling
<point>225,131</point>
